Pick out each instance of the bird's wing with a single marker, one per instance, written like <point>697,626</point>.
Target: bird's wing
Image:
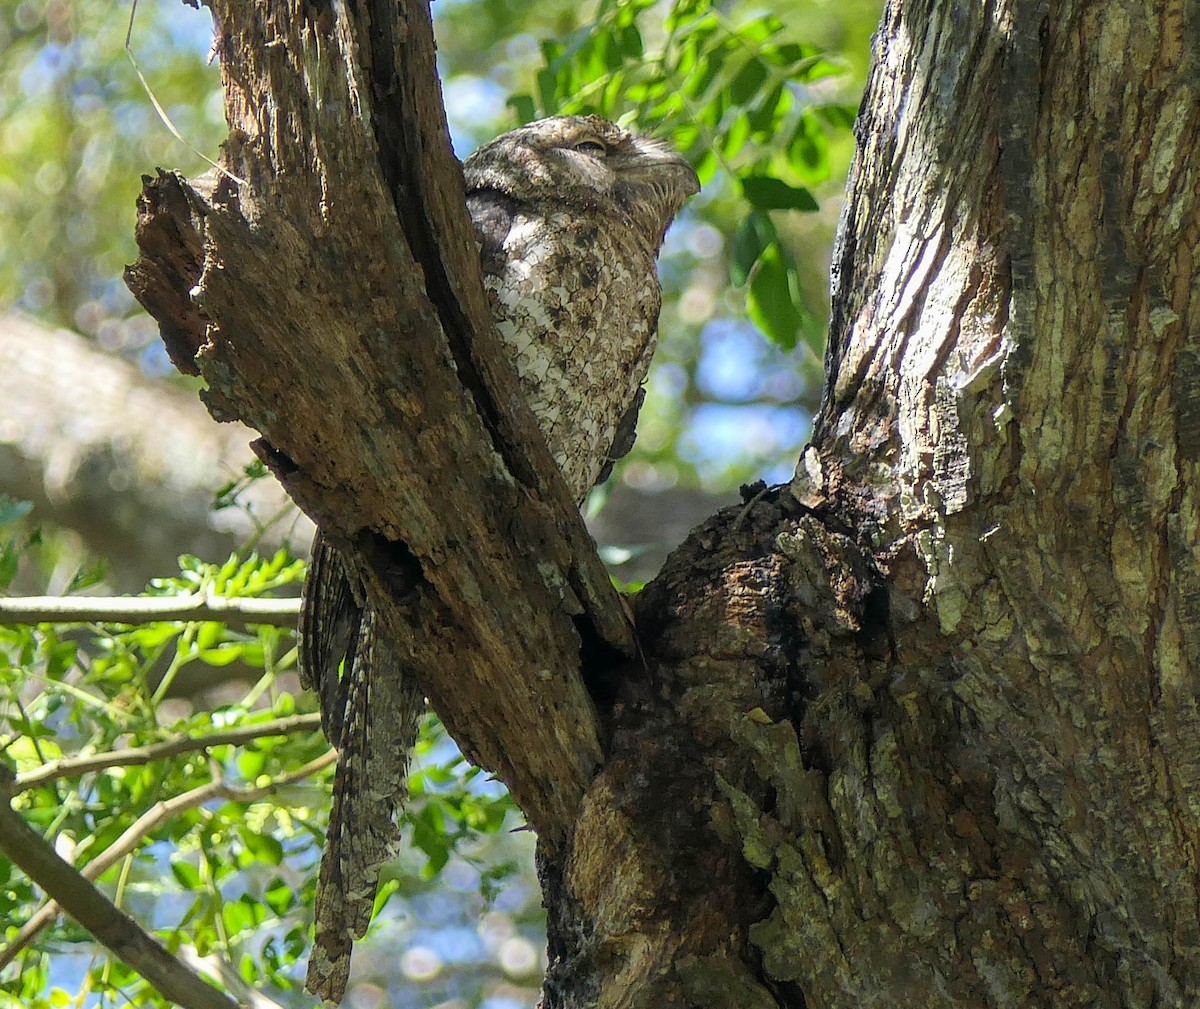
<point>371,715</point>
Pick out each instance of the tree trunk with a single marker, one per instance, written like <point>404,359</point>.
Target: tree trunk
<point>919,729</point>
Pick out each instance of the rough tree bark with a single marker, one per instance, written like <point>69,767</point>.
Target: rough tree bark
<point>919,729</point>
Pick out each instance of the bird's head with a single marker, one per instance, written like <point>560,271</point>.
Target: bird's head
<point>587,162</point>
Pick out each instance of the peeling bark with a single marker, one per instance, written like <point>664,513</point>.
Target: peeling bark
<point>919,728</point>
<point>338,310</point>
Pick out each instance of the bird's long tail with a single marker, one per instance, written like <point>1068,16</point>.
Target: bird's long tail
<point>371,715</point>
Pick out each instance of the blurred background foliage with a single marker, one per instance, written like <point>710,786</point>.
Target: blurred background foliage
<point>762,102</point>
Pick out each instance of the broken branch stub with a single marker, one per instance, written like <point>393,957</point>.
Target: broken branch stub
<point>357,340</point>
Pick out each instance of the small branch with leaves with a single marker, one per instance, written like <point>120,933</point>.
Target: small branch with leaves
<point>70,767</point>
<point>103,919</point>
<point>69,888</point>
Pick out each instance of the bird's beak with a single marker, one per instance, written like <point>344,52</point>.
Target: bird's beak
<point>659,154</point>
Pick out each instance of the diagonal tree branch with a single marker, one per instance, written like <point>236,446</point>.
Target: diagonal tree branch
<point>335,304</point>
<point>131,837</point>
<point>109,924</point>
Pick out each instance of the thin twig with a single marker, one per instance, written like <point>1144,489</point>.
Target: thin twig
<point>146,824</point>
<point>227,973</point>
<point>145,609</point>
<point>737,522</point>
<point>162,113</point>
<point>71,767</point>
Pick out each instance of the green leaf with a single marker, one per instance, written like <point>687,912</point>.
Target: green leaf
<point>383,894</point>
<point>547,86</point>
<point>208,634</point>
<point>808,150</point>
<point>251,763</point>
<point>228,569</point>
<point>429,834</point>
<point>524,108</point>
<point>630,42</point>
<point>753,236</point>
<point>187,874</point>
<point>736,137</point>
<point>90,574</point>
<point>60,658</point>
<point>243,914</point>
<point>747,83</point>
<point>295,943</point>
<point>840,117</point>
<point>769,193</point>
<point>150,636</point>
<point>773,298</point>
<point>280,897</point>
<point>767,112</point>
<point>761,28</point>
<point>9,557</point>
<point>223,654</point>
<point>816,68</point>
<point>264,847</point>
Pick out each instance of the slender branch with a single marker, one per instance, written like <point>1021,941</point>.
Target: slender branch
<point>227,973</point>
<point>146,824</point>
<point>71,767</point>
<point>143,609</point>
<point>109,924</point>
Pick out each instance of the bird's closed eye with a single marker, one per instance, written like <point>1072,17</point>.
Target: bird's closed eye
<point>592,147</point>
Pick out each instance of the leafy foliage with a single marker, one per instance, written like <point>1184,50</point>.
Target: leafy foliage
<point>78,133</point>
<point>737,97</point>
<point>69,693</point>
<point>236,824</point>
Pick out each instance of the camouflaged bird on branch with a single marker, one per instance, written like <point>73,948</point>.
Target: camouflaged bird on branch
<point>569,214</point>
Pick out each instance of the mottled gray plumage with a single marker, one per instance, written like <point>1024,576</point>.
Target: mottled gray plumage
<point>337,629</point>
<point>569,213</point>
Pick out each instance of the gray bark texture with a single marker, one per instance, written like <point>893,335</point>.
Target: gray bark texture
<point>918,729</point>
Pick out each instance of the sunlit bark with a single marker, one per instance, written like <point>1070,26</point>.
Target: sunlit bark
<point>919,728</point>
